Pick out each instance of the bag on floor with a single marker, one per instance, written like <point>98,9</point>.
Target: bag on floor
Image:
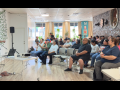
<point>5,73</point>
<point>30,49</point>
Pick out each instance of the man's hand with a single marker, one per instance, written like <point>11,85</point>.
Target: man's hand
<point>102,55</point>
<point>77,54</point>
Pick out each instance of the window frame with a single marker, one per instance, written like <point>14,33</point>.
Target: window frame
<point>74,26</point>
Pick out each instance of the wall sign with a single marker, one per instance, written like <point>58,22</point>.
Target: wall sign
<point>84,25</point>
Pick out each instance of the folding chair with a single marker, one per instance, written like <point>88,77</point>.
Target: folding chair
<point>58,56</point>
<point>70,51</point>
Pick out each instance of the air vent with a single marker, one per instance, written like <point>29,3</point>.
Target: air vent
<point>76,14</point>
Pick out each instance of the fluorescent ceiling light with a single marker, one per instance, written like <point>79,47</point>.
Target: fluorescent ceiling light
<point>44,14</point>
<point>67,20</point>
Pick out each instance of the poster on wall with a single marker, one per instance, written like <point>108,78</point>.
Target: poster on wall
<point>84,27</point>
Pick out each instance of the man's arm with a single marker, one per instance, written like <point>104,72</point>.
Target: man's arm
<point>66,46</point>
<point>81,53</point>
<point>111,57</point>
<point>43,46</point>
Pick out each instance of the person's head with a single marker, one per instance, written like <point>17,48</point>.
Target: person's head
<point>85,41</point>
<point>77,41</point>
<point>103,37</point>
<point>36,37</point>
<point>41,40</point>
<point>47,41</point>
<point>93,42</point>
<point>53,38</point>
<point>68,40</point>
<point>105,42</point>
<point>55,42</point>
<point>97,37</point>
<point>94,38</point>
<point>112,41</point>
<point>47,37</point>
<point>91,36</point>
<point>50,33</point>
<point>73,39</point>
<point>65,40</point>
<point>60,39</point>
<point>118,37</point>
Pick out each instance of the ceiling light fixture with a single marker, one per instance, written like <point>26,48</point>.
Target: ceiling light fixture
<point>45,14</point>
<point>67,20</point>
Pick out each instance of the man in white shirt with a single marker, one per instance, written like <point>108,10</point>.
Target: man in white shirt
<point>38,48</point>
<point>52,51</point>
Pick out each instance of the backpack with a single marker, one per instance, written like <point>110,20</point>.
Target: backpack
<point>30,49</point>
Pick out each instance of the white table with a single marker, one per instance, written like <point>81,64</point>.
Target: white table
<point>23,59</point>
<point>112,73</point>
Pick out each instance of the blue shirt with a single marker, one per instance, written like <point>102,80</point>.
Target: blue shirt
<point>73,43</point>
<point>111,51</point>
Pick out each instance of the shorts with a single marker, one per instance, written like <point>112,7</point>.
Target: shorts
<point>84,58</point>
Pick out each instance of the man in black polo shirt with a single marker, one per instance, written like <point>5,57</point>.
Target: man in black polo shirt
<point>82,55</point>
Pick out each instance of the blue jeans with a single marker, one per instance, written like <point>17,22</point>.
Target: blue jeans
<point>40,54</point>
<point>34,53</point>
<point>91,54</point>
<point>95,56</point>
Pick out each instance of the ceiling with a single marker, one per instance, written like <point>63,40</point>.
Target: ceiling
<point>59,14</point>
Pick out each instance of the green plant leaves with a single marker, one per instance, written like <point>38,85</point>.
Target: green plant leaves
<point>57,35</point>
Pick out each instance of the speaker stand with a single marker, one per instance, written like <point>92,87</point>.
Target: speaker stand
<point>12,51</point>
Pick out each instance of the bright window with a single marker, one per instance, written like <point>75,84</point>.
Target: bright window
<point>40,30</point>
<point>75,27</point>
<point>58,26</point>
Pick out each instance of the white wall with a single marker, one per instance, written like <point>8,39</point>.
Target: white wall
<point>19,21</point>
<point>3,50</point>
<point>31,24</point>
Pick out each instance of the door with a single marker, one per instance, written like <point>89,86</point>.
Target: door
<point>19,40</point>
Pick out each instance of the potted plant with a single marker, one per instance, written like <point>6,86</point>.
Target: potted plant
<point>66,34</point>
<point>39,37</point>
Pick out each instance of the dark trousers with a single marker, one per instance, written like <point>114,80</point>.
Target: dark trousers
<point>41,54</point>
<point>45,56</point>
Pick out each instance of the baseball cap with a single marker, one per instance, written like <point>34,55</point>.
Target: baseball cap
<point>48,40</point>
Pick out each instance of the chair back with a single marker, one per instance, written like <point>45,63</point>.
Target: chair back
<point>76,51</point>
<point>62,51</point>
<point>70,51</point>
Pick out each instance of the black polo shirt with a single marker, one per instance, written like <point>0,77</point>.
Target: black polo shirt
<point>86,47</point>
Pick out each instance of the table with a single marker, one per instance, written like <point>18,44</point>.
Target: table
<point>23,59</point>
<point>112,73</point>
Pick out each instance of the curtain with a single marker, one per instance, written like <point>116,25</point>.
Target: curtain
<point>63,31</point>
<point>53,30</point>
<point>90,29</point>
<point>68,29</point>
<point>79,27</point>
<point>46,30</point>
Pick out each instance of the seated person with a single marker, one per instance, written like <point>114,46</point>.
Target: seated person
<point>117,43</point>
<point>82,55</point>
<point>52,51</point>
<point>67,44</point>
<point>36,40</point>
<point>44,50</point>
<point>97,55</point>
<point>73,41</point>
<point>77,44</point>
<point>61,42</point>
<point>109,59</point>
<point>94,50</point>
<point>38,48</point>
<point>102,40</point>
